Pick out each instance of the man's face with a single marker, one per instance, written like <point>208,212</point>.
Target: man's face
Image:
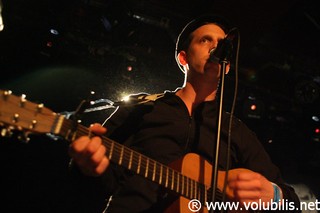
<point>204,39</point>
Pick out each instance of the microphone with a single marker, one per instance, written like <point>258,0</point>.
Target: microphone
<point>223,51</point>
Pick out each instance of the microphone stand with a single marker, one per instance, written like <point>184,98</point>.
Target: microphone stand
<point>222,55</point>
<point>214,176</point>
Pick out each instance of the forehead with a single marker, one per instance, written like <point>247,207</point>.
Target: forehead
<point>210,29</point>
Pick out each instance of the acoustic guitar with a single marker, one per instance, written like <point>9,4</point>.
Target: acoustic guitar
<point>189,177</point>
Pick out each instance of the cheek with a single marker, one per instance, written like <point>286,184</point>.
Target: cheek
<point>197,56</point>
<point>215,67</point>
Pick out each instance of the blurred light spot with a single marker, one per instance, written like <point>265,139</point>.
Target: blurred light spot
<point>129,68</point>
<point>315,118</point>
<point>54,32</point>
<point>49,44</point>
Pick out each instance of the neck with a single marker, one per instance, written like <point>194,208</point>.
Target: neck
<point>193,95</point>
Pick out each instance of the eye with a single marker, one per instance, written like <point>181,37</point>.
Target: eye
<point>205,40</point>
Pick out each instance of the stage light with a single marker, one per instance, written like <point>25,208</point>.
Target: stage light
<point>315,118</point>
<point>129,68</point>
<point>125,98</point>
<point>49,44</point>
<point>1,20</point>
<point>54,32</point>
<point>253,108</point>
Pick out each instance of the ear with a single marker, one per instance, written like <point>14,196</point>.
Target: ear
<point>182,58</point>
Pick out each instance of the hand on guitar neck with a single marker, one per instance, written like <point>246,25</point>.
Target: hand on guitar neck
<point>89,153</point>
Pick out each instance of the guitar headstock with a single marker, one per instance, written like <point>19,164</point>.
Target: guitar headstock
<point>16,113</point>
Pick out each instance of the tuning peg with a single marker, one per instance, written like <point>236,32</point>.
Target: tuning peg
<point>6,94</point>
<point>24,137</point>
<point>40,107</point>
<point>23,100</point>
<point>6,132</point>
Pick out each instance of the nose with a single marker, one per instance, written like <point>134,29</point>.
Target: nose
<point>213,46</point>
<point>211,50</point>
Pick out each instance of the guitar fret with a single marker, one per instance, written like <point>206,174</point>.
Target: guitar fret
<point>193,192</point>
<point>172,180</point>
<point>130,160</point>
<point>178,182</point>
<point>191,188</point>
<point>139,162</point>
<point>160,178</point>
<point>182,191</point>
<point>187,187</point>
<point>154,171</point>
<point>121,156</point>
<point>67,136</point>
<point>111,150</point>
<point>167,177</point>
<point>147,168</point>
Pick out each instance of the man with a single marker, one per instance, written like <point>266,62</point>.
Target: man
<point>174,124</point>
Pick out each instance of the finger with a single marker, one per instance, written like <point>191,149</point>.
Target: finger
<point>79,145</point>
<point>247,194</point>
<point>98,169</point>
<point>82,150</point>
<point>250,184</point>
<point>98,129</point>
<point>102,166</point>
<point>93,145</point>
<point>247,176</point>
<point>98,156</point>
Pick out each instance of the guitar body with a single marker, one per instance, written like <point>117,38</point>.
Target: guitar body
<point>195,167</point>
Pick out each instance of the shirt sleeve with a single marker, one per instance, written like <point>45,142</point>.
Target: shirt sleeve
<point>253,155</point>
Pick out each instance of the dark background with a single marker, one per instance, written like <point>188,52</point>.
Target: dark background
<point>56,52</point>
